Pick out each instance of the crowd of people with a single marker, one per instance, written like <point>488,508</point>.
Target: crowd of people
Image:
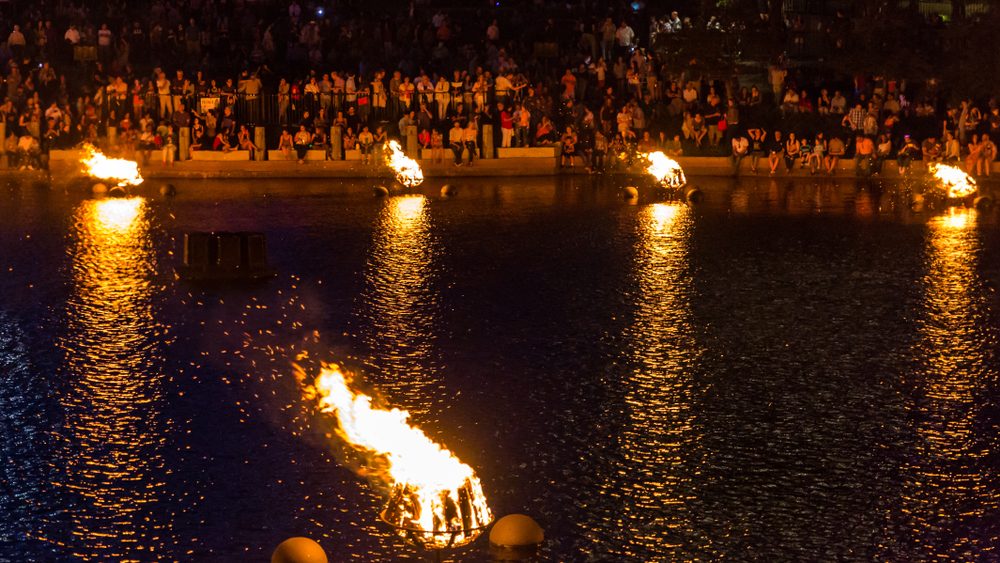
<point>137,77</point>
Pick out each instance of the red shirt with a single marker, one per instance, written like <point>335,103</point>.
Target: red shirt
<point>506,120</point>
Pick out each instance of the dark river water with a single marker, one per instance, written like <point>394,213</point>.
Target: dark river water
<point>786,372</point>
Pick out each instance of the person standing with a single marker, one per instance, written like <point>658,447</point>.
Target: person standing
<point>442,97</point>
<point>625,37</point>
<point>16,43</point>
<point>163,92</point>
<point>522,124</point>
<point>506,126</point>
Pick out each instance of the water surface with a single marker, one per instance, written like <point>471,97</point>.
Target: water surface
<point>790,371</point>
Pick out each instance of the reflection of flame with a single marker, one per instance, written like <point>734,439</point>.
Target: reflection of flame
<point>117,215</point>
<point>111,462</point>
<point>125,172</point>
<point>957,182</point>
<point>957,219</point>
<point>665,169</point>
<point>946,479</point>
<point>407,170</point>
<point>434,495</point>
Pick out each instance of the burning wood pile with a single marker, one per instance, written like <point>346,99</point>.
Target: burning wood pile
<point>123,172</point>
<point>435,500</point>
<point>667,171</point>
<point>407,170</point>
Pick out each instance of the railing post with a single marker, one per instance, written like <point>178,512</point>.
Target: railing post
<point>412,143</point>
<point>336,143</point>
<point>183,143</point>
<point>260,139</point>
<point>488,141</point>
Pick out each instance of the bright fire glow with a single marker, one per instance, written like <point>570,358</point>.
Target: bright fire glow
<point>124,172</point>
<point>118,215</point>
<point>665,169</point>
<point>435,499</point>
<point>958,183</point>
<point>408,172</point>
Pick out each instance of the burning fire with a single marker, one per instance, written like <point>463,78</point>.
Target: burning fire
<point>125,172</point>
<point>665,169</point>
<point>958,183</point>
<point>408,172</point>
<point>435,500</point>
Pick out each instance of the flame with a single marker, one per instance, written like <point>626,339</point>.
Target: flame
<point>958,183</point>
<point>665,169</point>
<point>125,172</point>
<point>408,172</point>
<point>435,500</point>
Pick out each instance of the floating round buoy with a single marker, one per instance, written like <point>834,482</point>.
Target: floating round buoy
<point>298,550</point>
<point>380,191</point>
<point>99,189</point>
<point>168,190</point>
<point>516,530</point>
<point>448,190</point>
<point>917,203</point>
<point>695,195</point>
<point>630,192</point>
<point>117,191</point>
<point>983,203</point>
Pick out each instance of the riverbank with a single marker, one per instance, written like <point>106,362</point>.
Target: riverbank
<point>65,164</point>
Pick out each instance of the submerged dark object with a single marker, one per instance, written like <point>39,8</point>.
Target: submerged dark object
<point>225,257</point>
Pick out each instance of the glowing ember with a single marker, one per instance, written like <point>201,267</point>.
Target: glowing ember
<point>435,500</point>
<point>408,172</point>
<point>958,183</point>
<point>665,169</point>
<point>124,172</point>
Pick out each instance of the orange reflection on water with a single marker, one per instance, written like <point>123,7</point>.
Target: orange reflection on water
<point>946,494</point>
<point>652,485</point>
<point>401,307</point>
<point>109,459</point>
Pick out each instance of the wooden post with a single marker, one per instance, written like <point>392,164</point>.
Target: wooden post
<point>336,143</point>
<point>112,138</point>
<point>412,143</point>
<point>488,141</point>
<point>184,143</point>
<point>259,139</point>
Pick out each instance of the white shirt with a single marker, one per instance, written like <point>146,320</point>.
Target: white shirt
<point>72,35</point>
<point>625,35</point>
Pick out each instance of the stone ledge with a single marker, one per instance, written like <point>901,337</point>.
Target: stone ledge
<point>220,155</point>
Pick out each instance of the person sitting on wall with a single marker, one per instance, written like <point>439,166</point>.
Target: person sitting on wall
<point>221,142</point>
<point>286,144</point>
<point>147,143</point>
<point>456,142</point>
<point>29,152</point>
<point>568,148</point>
<point>302,141</point>
<point>320,142</point>
<point>437,146</point>
<point>367,142</point>
<point>835,151</point>
<point>245,144</point>
<point>470,136</point>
